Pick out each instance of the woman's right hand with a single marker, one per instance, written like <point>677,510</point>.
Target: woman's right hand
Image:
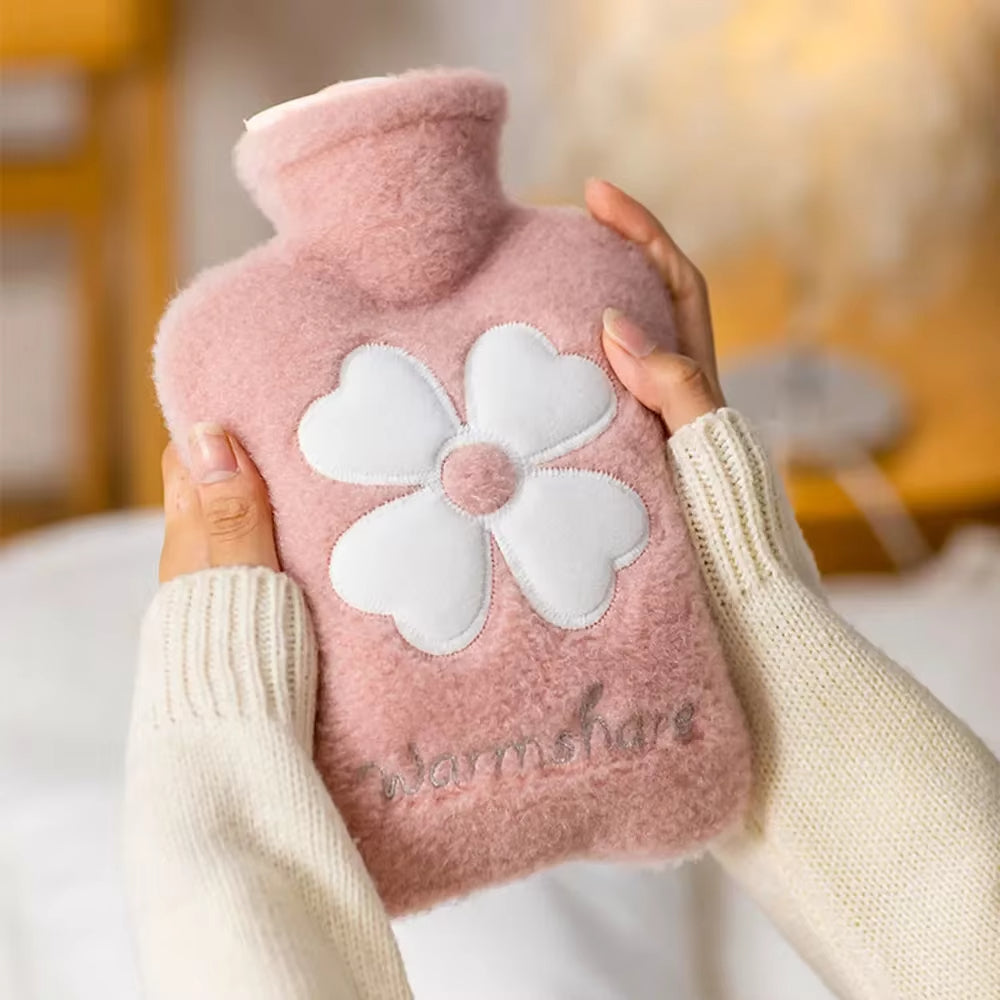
<point>679,386</point>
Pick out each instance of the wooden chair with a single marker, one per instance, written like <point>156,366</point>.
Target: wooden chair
<point>112,191</point>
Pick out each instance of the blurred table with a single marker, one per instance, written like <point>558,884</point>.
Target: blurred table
<point>946,356</point>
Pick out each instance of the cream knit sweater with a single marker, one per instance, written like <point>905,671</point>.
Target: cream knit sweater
<point>873,838</point>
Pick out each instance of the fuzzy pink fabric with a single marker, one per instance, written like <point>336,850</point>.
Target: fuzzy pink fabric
<point>479,478</point>
<point>534,744</point>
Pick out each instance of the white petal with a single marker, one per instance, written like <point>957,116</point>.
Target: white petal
<point>544,404</point>
<point>421,562</point>
<point>383,424</point>
<point>564,538</point>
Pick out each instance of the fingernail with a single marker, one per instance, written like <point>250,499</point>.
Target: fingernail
<point>212,456</point>
<point>628,334</point>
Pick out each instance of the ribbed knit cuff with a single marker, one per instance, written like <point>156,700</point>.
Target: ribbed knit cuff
<point>736,507</point>
<point>228,643</point>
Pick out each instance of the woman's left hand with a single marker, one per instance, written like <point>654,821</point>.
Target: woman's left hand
<point>217,512</point>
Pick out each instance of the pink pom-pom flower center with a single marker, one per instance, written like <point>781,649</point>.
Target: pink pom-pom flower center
<point>479,478</point>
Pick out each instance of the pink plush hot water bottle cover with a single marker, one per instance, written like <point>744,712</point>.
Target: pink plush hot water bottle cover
<point>518,665</point>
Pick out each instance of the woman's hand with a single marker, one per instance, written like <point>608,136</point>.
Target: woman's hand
<point>682,386</point>
<point>217,512</point>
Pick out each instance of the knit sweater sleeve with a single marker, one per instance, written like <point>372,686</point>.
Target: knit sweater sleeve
<point>243,879</point>
<point>873,837</point>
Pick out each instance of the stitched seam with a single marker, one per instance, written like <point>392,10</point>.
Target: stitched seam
<point>566,445</point>
<point>381,479</point>
<point>468,435</point>
<point>412,634</point>
<point>545,610</point>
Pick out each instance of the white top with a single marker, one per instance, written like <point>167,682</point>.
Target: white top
<point>273,114</point>
<point>873,838</point>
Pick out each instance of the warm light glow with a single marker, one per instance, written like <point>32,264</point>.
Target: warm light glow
<point>854,134</point>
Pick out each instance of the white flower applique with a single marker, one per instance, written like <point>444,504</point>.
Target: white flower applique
<point>425,559</point>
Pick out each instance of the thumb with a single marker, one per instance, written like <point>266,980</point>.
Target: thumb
<point>235,509</point>
<point>673,385</point>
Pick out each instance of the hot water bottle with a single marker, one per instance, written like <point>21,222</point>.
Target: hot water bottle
<point>517,662</point>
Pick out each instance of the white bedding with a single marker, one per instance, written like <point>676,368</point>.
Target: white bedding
<point>70,602</point>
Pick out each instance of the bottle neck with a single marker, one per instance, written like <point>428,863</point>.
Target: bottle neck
<point>396,181</point>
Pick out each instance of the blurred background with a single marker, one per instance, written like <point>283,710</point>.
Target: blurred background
<point>833,166</point>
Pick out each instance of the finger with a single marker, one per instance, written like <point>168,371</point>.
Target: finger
<point>632,220</point>
<point>673,385</point>
<point>235,509</point>
<point>184,549</point>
